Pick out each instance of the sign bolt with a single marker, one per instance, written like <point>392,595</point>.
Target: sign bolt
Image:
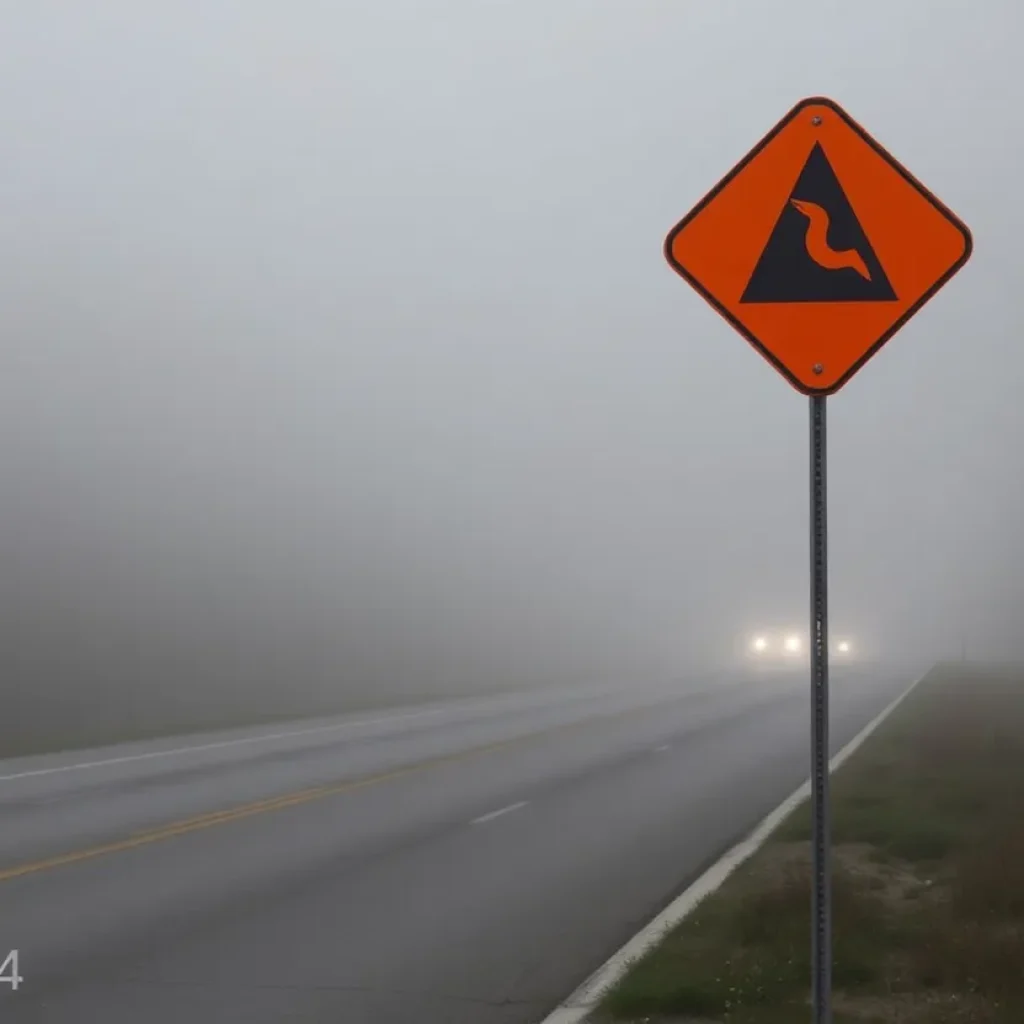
<point>816,120</point>
<point>818,368</point>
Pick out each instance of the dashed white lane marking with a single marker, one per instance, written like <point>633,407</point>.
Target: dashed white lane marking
<point>662,748</point>
<point>498,813</point>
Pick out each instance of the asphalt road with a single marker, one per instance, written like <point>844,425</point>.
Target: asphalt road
<point>460,863</point>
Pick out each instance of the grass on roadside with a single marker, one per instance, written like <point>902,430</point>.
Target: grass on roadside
<point>928,884</point>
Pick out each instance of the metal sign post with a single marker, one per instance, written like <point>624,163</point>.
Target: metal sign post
<point>821,880</point>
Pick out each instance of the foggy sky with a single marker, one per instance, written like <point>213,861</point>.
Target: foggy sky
<point>339,343</point>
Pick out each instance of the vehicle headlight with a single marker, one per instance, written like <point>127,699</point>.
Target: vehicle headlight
<point>792,643</point>
<point>760,643</point>
<point>844,647</point>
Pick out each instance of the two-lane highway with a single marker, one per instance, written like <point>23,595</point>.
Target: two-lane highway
<point>467,862</point>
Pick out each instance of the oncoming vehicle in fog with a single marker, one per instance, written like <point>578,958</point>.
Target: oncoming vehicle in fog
<point>786,646</point>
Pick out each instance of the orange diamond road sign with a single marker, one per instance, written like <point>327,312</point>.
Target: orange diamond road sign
<point>818,246</point>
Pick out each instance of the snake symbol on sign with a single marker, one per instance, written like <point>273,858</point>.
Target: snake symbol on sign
<point>816,241</point>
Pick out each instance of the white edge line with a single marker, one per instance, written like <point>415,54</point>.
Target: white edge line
<point>578,1006</point>
<point>498,813</point>
<point>351,723</point>
<point>219,744</point>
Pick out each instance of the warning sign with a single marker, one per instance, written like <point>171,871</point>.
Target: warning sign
<point>818,246</point>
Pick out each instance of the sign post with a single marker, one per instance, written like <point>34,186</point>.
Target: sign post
<point>818,246</point>
<point>821,898</point>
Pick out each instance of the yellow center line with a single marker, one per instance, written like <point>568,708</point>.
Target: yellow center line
<point>203,821</point>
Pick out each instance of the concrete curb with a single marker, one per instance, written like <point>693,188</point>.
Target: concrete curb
<point>578,1006</point>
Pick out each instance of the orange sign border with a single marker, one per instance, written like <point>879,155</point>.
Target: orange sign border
<point>940,207</point>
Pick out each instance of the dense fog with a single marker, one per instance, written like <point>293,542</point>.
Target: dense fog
<point>342,363</point>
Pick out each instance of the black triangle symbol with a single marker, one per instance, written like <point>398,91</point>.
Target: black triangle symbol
<point>817,251</point>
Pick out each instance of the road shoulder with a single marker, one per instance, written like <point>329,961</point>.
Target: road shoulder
<point>928,874</point>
